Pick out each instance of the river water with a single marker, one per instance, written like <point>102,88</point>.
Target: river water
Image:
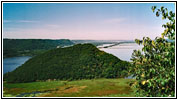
<point>9,64</point>
<point>122,51</point>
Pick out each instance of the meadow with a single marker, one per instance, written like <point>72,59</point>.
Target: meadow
<point>80,88</point>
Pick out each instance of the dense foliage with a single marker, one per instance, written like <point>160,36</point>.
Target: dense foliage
<point>154,66</point>
<point>20,47</point>
<point>81,61</point>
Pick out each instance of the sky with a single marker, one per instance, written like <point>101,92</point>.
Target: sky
<point>95,21</point>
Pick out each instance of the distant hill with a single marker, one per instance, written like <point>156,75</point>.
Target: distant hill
<point>20,47</point>
<point>101,42</point>
<point>81,61</point>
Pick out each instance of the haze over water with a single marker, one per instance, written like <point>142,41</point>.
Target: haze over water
<point>122,51</point>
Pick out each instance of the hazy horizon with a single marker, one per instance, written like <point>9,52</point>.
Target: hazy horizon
<point>75,39</point>
<point>82,21</point>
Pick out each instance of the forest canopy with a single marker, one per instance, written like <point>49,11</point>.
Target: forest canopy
<point>30,47</point>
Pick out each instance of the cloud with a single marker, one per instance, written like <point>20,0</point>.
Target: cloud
<point>115,20</point>
<point>7,21</point>
<point>53,26</point>
<point>20,21</point>
<point>26,21</point>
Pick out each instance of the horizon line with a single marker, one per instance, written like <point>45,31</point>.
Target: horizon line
<point>71,39</point>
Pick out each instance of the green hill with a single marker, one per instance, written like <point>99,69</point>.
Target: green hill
<point>81,61</point>
<point>21,47</point>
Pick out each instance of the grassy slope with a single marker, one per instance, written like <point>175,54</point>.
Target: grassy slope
<point>81,88</point>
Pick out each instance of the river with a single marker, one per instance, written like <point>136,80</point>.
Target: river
<point>122,51</point>
<point>9,64</point>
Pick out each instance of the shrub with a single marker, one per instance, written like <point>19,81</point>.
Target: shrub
<point>154,65</point>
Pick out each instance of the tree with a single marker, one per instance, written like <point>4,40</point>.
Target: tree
<point>154,65</point>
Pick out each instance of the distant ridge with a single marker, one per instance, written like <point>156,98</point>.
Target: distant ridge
<point>29,47</point>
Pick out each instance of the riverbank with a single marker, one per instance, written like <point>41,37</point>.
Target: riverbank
<point>81,88</point>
